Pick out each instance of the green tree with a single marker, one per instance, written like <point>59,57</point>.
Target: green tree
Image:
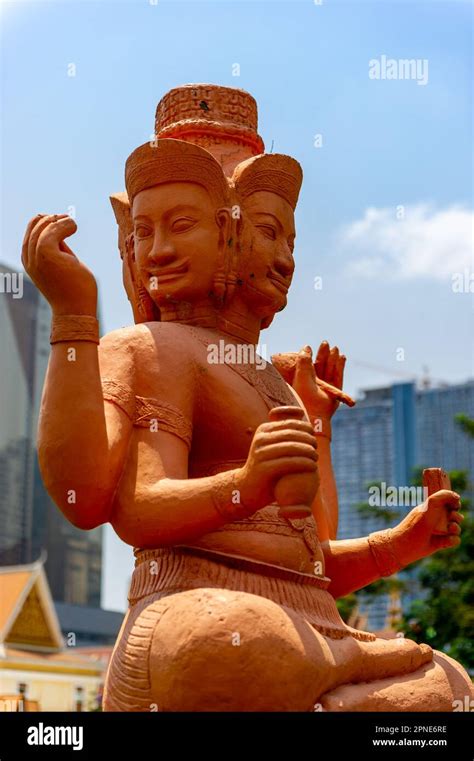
<point>443,617</point>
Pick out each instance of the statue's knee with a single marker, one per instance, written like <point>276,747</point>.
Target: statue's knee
<point>216,649</point>
<point>460,685</point>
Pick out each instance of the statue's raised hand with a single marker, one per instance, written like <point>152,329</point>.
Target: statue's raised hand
<point>65,282</point>
<point>315,382</point>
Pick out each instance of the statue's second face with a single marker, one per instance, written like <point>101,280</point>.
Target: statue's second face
<point>266,266</point>
<point>176,240</point>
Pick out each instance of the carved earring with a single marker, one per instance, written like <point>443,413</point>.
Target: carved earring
<point>220,279</point>
<point>146,307</point>
<point>233,259</point>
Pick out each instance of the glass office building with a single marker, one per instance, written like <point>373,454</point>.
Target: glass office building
<point>383,438</point>
<point>29,522</point>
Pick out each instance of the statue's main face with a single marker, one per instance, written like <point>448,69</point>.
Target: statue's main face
<point>266,266</point>
<point>176,239</point>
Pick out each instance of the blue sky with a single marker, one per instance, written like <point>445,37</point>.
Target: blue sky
<point>386,206</point>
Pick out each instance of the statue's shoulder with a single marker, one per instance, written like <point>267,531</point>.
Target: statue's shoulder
<point>147,337</point>
<point>153,360</point>
<point>151,353</point>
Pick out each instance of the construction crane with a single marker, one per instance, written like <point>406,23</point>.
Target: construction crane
<point>425,380</point>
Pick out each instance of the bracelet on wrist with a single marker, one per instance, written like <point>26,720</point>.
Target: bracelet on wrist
<point>226,498</point>
<point>74,327</point>
<point>322,427</point>
<point>381,546</point>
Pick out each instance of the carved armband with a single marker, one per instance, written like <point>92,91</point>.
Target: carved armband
<point>145,412</point>
<point>74,327</point>
<point>150,412</point>
<point>121,395</point>
<point>381,546</point>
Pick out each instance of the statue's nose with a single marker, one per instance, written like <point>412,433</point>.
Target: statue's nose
<point>163,252</point>
<point>284,262</point>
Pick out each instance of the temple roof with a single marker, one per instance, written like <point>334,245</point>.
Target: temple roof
<point>28,619</point>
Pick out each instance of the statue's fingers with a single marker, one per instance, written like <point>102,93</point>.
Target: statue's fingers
<point>455,516</point>
<point>445,542</point>
<point>321,359</point>
<point>65,248</point>
<point>287,449</point>
<point>445,498</point>
<point>331,364</point>
<point>40,225</point>
<point>339,372</point>
<point>55,232</point>
<point>24,246</point>
<point>454,528</point>
<point>304,369</point>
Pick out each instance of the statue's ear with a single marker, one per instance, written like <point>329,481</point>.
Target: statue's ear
<point>123,215</point>
<point>224,221</point>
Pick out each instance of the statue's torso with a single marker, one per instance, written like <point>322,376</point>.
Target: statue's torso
<point>229,403</point>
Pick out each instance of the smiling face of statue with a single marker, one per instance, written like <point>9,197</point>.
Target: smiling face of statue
<point>177,239</point>
<point>266,263</point>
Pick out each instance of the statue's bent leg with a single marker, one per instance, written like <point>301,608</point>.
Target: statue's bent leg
<point>225,650</point>
<point>219,649</point>
<point>442,685</point>
<point>213,649</point>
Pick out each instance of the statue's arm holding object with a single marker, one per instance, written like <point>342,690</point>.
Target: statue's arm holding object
<point>352,564</point>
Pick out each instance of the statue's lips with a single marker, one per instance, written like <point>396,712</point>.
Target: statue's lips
<point>282,285</point>
<point>170,273</point>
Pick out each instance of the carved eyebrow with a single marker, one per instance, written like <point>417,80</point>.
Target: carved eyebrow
<point>265,214</point>
<point>181,208</point>
<point>273,218</point>
<point>141,218</point>
<point>268,216</point>
<point>170,212</point>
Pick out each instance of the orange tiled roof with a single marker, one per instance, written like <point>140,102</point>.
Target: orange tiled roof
<point>12,584</point>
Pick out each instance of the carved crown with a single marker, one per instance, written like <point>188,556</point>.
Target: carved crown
<point>222,119</point>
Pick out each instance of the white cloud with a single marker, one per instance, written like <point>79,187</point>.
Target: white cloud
<point>426,242</point>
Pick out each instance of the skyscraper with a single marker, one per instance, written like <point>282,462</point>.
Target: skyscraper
<point>391,431</point>
<point>29,521</point>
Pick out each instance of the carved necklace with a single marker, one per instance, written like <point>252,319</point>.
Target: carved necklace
<point>267,382</point>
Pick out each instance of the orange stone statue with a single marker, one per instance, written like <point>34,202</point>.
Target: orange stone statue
<point>213,463</point>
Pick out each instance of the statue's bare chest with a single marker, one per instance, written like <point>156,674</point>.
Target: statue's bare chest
<point>232,400</point>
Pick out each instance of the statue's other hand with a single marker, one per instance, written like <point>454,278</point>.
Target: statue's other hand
<point>329,365</point>
<point>278,448</point>
<point>67,284</point>
<point>329,368</point>
<point>433,525</point>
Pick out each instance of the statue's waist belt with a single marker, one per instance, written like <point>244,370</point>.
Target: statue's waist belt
<point>167,571</point>
<point>238,562</point>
